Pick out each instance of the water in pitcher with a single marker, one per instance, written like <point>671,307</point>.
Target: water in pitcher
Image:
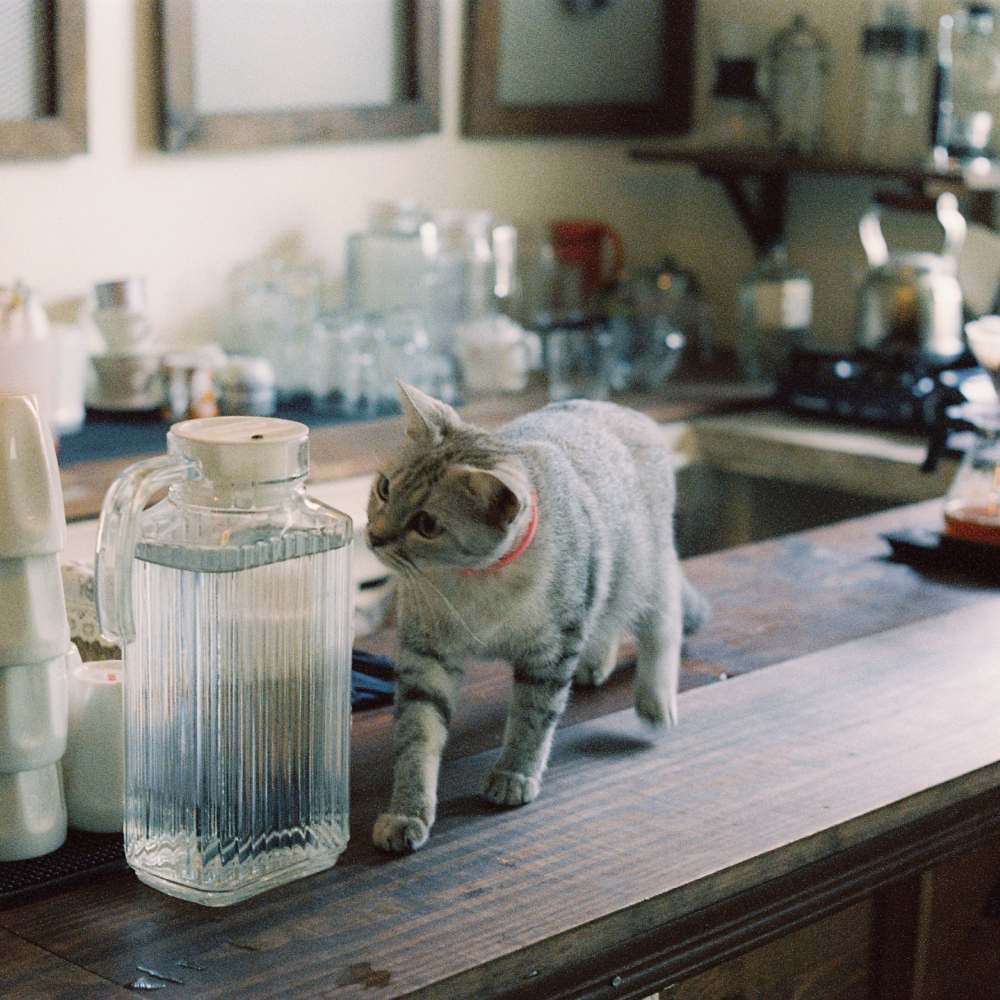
<point>238,695</point>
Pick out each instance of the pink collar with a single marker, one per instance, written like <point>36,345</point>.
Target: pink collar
<point>518,550</point>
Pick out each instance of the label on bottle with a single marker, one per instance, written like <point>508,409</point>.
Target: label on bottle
<point>783,305</point>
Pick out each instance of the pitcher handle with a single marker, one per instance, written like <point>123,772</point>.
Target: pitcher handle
<point>118,533</point>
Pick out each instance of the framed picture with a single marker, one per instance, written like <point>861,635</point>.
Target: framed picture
<point>43,78</point>
<point>237,74</point>
<point>578,67</point>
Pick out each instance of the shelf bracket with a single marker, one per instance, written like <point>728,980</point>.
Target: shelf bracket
<point>760,201</point>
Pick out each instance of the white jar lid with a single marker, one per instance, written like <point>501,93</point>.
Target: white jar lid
<point>243,449</point>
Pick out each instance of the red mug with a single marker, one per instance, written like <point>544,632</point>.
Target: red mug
<point>580,242</point>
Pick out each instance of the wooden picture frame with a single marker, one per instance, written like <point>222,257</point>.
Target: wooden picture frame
<point>483,114</point>
<point>183,127</point>
<point>62,129</point>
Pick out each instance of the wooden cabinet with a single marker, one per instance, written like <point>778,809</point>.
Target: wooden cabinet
<point>933,936</point>
<point>828,960</point>
<point>957,954</point>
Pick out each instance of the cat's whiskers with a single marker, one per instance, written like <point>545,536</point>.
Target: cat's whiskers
<point>418,577</point>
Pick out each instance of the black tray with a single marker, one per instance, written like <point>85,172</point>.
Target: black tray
<point>933,550</point>
<point>87,854</point>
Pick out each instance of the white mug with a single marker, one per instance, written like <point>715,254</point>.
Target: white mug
<point>32,813</point>
<point>33,713</point>
<point>94,768</point>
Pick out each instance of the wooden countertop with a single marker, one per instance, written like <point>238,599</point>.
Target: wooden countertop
<point>354,449</point>
<point>880,717</point>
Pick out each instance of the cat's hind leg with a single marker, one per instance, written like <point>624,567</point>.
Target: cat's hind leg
<point>659,633</point>
<point>599,659</point>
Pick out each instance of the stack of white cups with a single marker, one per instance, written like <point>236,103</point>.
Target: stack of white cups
<point>34,635</point>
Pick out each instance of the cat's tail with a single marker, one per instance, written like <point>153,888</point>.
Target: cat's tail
<point>696,607</point>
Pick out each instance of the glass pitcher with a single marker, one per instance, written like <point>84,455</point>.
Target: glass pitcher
<point>231,601</point>
<point>972,505</point>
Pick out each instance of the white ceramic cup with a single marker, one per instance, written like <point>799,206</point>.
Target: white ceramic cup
<point>34,624</point>
<point>32,521</point>
<point>94,765</point>
<point>32,813</point>
<point>33,713</point>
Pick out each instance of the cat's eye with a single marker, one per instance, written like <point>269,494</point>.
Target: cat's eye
<point>426,525</point>
<point>382,487</point>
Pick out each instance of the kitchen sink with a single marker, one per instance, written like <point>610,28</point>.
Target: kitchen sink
<point>718,508</point>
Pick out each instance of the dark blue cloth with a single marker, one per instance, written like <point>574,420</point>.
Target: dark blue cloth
<point>372,680</point>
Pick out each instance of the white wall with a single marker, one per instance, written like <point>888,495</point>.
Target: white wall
<point>185,220</point>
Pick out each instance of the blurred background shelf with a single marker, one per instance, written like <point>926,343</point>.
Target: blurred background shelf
<point>756,180</point>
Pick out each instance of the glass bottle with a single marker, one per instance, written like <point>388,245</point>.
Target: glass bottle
<point>795,74</point>
<point>231,599</point>
<point>775,305</point>
<point>737,115</point>
<point>968,83</point>
<point>893,127</point>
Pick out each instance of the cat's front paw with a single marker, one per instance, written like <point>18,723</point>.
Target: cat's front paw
<point>399,833</point>
<point>508,788</point>
<point>655,709</point>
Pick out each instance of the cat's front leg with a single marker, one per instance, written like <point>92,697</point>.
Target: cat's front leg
<point>541,692</point>
<point>426,691</point>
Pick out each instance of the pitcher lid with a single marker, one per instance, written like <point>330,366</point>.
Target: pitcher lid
<point>243,449</point>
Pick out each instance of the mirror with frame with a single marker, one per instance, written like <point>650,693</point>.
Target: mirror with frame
<point>43,78</point>
<point>238,75</point>
<point>578,67</point>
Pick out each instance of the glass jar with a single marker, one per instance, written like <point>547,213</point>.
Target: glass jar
<point>232,602</point>
<point>795,75</point>
<point>775,305</point>
<point>968,83</point>
<point>894,128</point>
<point>972,504</point>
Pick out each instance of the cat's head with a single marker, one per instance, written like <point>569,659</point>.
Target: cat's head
<point>453,495</point>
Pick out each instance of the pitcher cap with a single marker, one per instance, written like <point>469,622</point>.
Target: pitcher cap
<point>243,449</point>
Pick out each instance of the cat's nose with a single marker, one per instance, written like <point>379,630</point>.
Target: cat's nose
<point>375,540</point>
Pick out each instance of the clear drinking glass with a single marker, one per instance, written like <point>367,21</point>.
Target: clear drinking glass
<point>385,263</point>
<point>232,601</point>
<point>578,361</point>
<point>273,307</point>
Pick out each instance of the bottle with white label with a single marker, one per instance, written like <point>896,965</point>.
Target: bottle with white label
<point>775,315</point>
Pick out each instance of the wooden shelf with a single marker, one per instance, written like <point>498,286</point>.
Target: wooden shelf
<point>762,207</point>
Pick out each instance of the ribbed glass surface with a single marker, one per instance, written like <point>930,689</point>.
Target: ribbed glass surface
<point>238,716</point>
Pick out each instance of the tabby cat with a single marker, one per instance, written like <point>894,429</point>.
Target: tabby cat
<point>541,544</point>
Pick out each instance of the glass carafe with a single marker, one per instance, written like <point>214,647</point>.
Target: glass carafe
<point>972,506</point>
<point>231,599</point>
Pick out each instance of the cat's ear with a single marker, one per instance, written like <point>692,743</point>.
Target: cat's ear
<point>427,419</point>
<point>497,492</point>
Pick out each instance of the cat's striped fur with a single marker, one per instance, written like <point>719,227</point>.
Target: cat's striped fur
<point>602,562</point>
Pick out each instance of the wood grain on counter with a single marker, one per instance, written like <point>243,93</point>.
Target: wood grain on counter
<point>767,774</point>
<point>872,748</point>
<point>354,449</point>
